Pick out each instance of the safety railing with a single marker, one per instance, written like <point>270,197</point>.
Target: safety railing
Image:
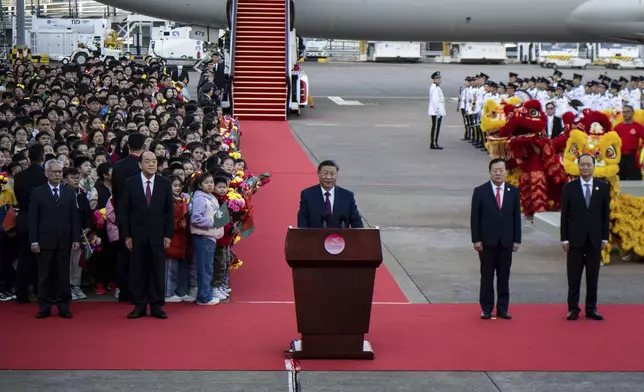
<point>233,37</point>
<point>287,35</point>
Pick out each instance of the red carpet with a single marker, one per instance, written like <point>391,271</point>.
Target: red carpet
<point>252,337</point>
<point>269,146</point>
<point>243,336</point>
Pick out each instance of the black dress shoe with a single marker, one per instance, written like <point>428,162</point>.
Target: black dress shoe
<point>504,315</point>
<point>486,316</point>
<point>433,148</point>
<point>137,313</point>
<point>573,315</point>
<point>159,313</point>
<point>42,315</point>
<point>66,315</point>
<point>439,147</point>
<point>593,314</point>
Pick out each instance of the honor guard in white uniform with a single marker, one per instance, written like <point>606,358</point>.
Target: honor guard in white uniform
<point>436,109</point>
<point>510,90</point>
<point>514,77</point>
<point>462,105</point>
<point>602,101</point>
<point>479,141</point>
<point>591,95</point>
<point>623,90</point>
<point>542,92</point>
<point>635,96</point>
<point>560,101</point>
<point>577,92</point>
<point>556,78</point>
<point>614,99</point>
<point>470,107</point>
<point>532,88</point>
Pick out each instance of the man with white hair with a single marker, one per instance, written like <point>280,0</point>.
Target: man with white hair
<point>54,230</point>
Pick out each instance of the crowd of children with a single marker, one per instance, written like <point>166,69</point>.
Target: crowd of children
<point>88,119</point>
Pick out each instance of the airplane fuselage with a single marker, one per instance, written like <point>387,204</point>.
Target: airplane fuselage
<point>432,20</point>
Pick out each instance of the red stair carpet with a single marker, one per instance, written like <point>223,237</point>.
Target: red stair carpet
<point>259,70</point>
<point>251,332</point>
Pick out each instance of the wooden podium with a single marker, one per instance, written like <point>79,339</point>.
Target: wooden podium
<point>334,271</point>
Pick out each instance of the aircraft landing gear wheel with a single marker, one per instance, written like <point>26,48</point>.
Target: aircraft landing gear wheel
<point>65,61</point>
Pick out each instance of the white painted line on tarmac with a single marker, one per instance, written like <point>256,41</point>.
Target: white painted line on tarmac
<point>342,102</point>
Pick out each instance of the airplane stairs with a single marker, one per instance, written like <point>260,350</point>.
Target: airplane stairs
<point>259,85</point>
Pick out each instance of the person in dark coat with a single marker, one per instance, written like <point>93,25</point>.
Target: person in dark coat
<point>147,224</point>
<point>123,169</point>
<point>24,184</point>
<point>328,205</point>
<point>54,231</point>
<point>495,224</point>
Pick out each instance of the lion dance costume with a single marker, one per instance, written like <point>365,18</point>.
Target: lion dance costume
<point>518,135</point>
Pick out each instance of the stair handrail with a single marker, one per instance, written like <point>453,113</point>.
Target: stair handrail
<point>233,37</point>
<point>287,32</point>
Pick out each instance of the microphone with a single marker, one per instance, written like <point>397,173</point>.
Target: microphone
<point>325,219</point>
<point>343,220</point>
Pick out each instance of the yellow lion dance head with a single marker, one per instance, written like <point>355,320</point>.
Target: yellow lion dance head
<point>595,139</point>
<point>492,120</point>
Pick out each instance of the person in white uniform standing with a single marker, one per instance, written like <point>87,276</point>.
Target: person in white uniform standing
<point>436,109</point>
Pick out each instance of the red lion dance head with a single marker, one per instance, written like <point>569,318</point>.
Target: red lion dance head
<point>525,120</point>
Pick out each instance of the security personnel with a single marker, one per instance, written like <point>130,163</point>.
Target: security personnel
<point>470,108</point>
<point>635,96</point>
<point>462,105</point>
<point>480,102</point>
<point>436,109</point>
<point>578,92</point>
<point>513,77</point>
<point>532,89</point>
<point>614,99</point>
<point>560,101</point>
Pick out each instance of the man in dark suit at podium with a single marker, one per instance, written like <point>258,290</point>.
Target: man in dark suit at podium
<point>328,205</point>
<point>495,222</point>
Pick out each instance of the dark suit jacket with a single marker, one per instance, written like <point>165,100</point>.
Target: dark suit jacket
<point>557,127</point>
<point>312,207</point>
<point>24,183</point>
<point>578,222</point>
<point>493,226</point>
<point>84,210</point>
<point>122,170</point>
<point>54,226</point>
<point>145,223</point>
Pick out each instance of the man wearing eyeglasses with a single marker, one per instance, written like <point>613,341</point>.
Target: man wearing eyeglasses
<point>554,125</point>
<point>54,231</point>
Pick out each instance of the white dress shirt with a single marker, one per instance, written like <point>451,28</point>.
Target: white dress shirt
<point>145,183</point>
<point>52,187</point>
<point>331,196</point>
<point>551,123</point>
<point>501,189</point>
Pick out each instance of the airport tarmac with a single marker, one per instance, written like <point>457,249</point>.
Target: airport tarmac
<point>372,119</point>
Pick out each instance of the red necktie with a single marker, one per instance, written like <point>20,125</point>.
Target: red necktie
<point>327,202</point>
<point>148,193</point>
<point>498,196</point>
